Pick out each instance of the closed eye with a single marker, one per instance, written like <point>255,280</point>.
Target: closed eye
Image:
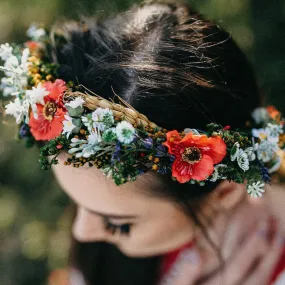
<point>123,229</point>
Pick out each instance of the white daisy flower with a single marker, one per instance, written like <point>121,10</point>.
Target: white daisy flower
<point>242,160</point>
<point>35,33</point>
<point>68,126</point>
<point>266,151</point>
<point>6,51</point>
<point>262,134</point>
<point>78,102</point>
<point>18,109</point>
<point>256,189</point>
<point>125,132</point>
<point>270,133</point>
<point>260,115</point>
<point>102,118</point>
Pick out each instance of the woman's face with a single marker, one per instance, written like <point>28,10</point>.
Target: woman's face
<point>157,225</point>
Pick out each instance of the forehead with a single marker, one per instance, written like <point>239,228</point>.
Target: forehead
<point>90,188</point>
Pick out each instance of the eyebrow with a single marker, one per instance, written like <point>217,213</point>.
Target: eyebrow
<point>112,216</point>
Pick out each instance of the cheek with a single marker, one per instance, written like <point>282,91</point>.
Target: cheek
<point>159,236</point>
<point>87,227</point>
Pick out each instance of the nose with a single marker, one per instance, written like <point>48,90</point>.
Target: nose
<point>88,227</point>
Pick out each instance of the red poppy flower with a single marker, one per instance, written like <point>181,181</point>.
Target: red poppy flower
<point>49,125</point>
<point>195,155</point>
<point>32,45</point>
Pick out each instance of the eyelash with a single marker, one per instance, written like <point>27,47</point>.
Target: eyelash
<point>115,229</point>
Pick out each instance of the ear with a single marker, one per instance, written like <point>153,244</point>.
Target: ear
<point>228,195</point>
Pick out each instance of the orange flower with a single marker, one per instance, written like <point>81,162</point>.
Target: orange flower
<point>195,155</point>
<point>59,277</point>
<point>32,45</point>
<point>273,112</point>
<point>49,125</point>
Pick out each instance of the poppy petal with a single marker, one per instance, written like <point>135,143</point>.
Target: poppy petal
<point>172,139</point>
<point>56,89</point>
<point>217,149</point>
<point>203,169</point>
<point>181,170</point>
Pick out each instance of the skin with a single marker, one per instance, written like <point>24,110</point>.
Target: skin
<point>241,227</point>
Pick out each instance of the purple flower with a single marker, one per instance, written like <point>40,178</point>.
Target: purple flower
<point>160,151</point>
<point>116,153</point>
<point>162,169</point>
<point>148,143</point>
<point>264,173</point>
<point>141,171</point>
<point>24,131</point>
<point>171,157</point>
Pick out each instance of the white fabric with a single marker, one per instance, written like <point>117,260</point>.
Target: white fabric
<point>281,279</point>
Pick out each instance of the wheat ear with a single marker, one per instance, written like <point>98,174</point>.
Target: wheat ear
<point>123,111</point>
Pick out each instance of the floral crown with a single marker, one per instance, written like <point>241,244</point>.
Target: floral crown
<point>123,143</point>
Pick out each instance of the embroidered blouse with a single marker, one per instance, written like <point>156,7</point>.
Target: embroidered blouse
<point>171,263</point>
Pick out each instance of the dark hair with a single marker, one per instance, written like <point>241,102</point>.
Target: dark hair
<point>176,68</point>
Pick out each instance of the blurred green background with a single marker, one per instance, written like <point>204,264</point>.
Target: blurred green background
<point>34,214</point>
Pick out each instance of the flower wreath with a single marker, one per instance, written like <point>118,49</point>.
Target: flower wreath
<point>122,142</point>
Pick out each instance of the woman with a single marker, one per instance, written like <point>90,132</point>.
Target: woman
<point>180,71</point>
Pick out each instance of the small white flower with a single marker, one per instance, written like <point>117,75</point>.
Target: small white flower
<point>78,102</point>
<point>77,142</point>
<point>260,115</point>
<point>87,122</point>
<point>270,133</point>
<point>76,146</point>
<point>216,174</point>
<point>250,153</point>
<point>86,148</point>
<point>94,139</point>
<point>108,171</point>
<point>256,189</point>
<point>274,130</point>
<point>68,126</point>
<point>6,51</point>
<point>12,65</point>
<point>235,151</point>
<point>35,33</point>
<point>262,134</point>
<point>125,132</point>
<point>194,131</point>
<point>242,160</point>
<point>24,60</point>
<point>266,151</point>
<point>102,118</point>
<point>6,88</point>
<point>17,109</point>
<point>36,95</point>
